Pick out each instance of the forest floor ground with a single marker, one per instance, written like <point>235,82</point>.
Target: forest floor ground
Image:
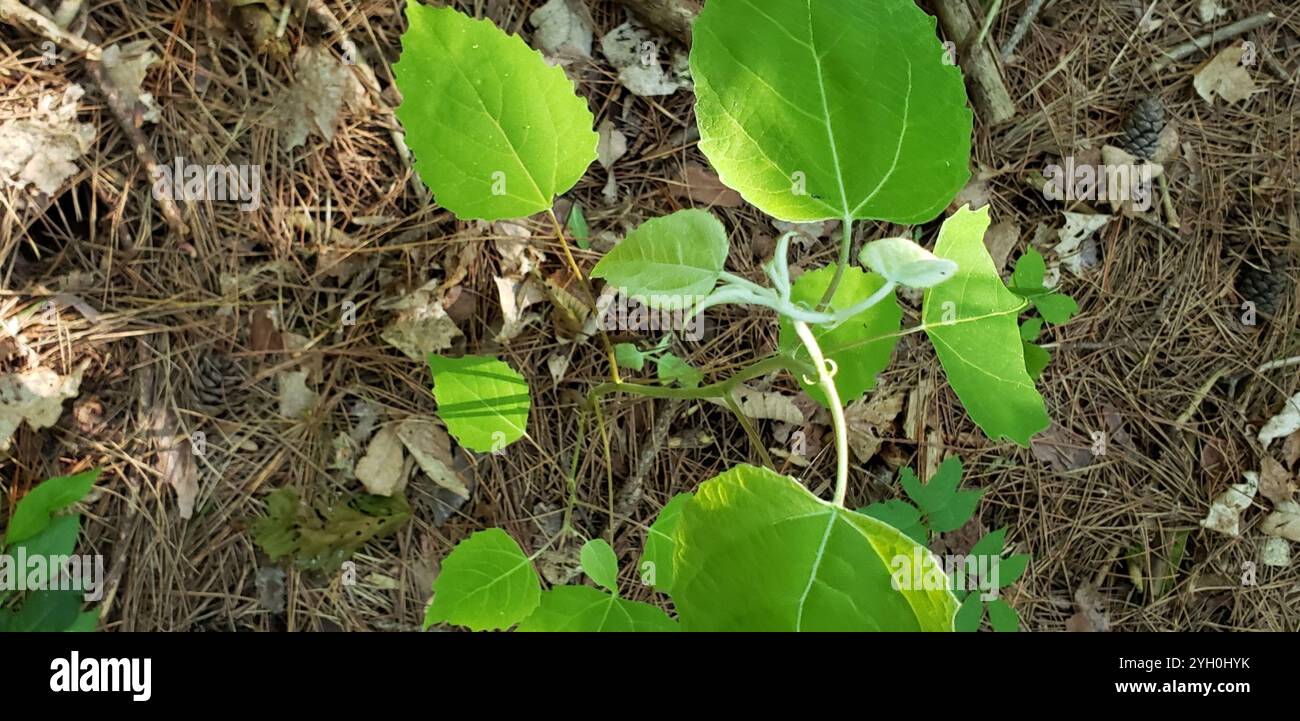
<point>1158,361</point>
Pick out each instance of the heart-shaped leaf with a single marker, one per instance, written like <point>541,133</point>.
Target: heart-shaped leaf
<point>483,401</point>
<point>757,552</point>
<point>486,583</point>
<point>830,109</point>
<point>670,262</point>
<point>972,322</point>
<point>497,132</point>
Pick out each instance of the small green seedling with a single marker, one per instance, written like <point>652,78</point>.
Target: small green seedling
<point>823,110</point>
<point>39,535</point>
<point>1053,307</point>
<point>940,507</point>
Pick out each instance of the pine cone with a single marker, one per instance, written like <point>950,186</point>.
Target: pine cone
<point>1141,136</point>
<point>1264,282</point>
<point>217,375</point>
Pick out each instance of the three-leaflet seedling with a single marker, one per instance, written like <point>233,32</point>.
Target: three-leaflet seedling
<point>812,110</point>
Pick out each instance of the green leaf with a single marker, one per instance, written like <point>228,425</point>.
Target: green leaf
<point>497,132</point>
<point>1037,359</point>
<point>945,507</point>
<point>821,110</point>
<point>578,227</point>
<point>585,609</point>
<point>971,320</point>
<point>660,544</point>
<point>970,614</point>
<point>1011,568</point>
<point>47,611</point>
<point>322,536</point>
<point>757,552</point>
<point>860,346</point>
<point>32,514</point>
<point>58,539</point>
<point>990,544</point>
<point>1056,308</point>
<point>670,262</point>
<point>1002,617</point>
<point>901,515</point>
<point>1029,273</point>
<point>671,368</point>
<point>486,583</point>
<point>627,356</point>
<point>600,563</point>
<point>483,401</point>
<point>1031,329</point>
<point>87,622</point>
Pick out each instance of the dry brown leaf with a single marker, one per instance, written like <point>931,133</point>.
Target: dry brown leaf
<point>1078,249</point>
<point>563,30</point>
<point>765,405</point>
<point>126,67</point>
<point>1061,449</point>
<point>1286,422</point>
<point>34,397</point>
<point>1225,512</point>
<point>382,470</point>
<point>1000,240</point>
<point>1291,449</point>
<point>611,144</point>
<point>40,148</point>
<point>1283,522</point>
<point>1091,616</point>
<point>1224,76</point>
<point>263,334</point>
<point>1275,551</point>
<point>422,325</point>
<point>429,444</point>
<point>322,85</point>
<point>868,419</point>
<point>516,296</point>
<point>702,186</point>
<point>1275,482</point>
<point>175,461</point>
<point>296,399</point>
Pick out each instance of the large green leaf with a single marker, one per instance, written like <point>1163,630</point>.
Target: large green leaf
<point>47,611</point>
<point>670,262</point>
<point>497,132</point>
<point>486,583</point>
<point>818,109</point>
<point>32,514</point>
<point>757,552</point>
<point>58,539</point>
<point>582,608</point>
<point>972,322</point>
<point>483,401</point>
<point>660,544</point>
<point>857,357</point>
